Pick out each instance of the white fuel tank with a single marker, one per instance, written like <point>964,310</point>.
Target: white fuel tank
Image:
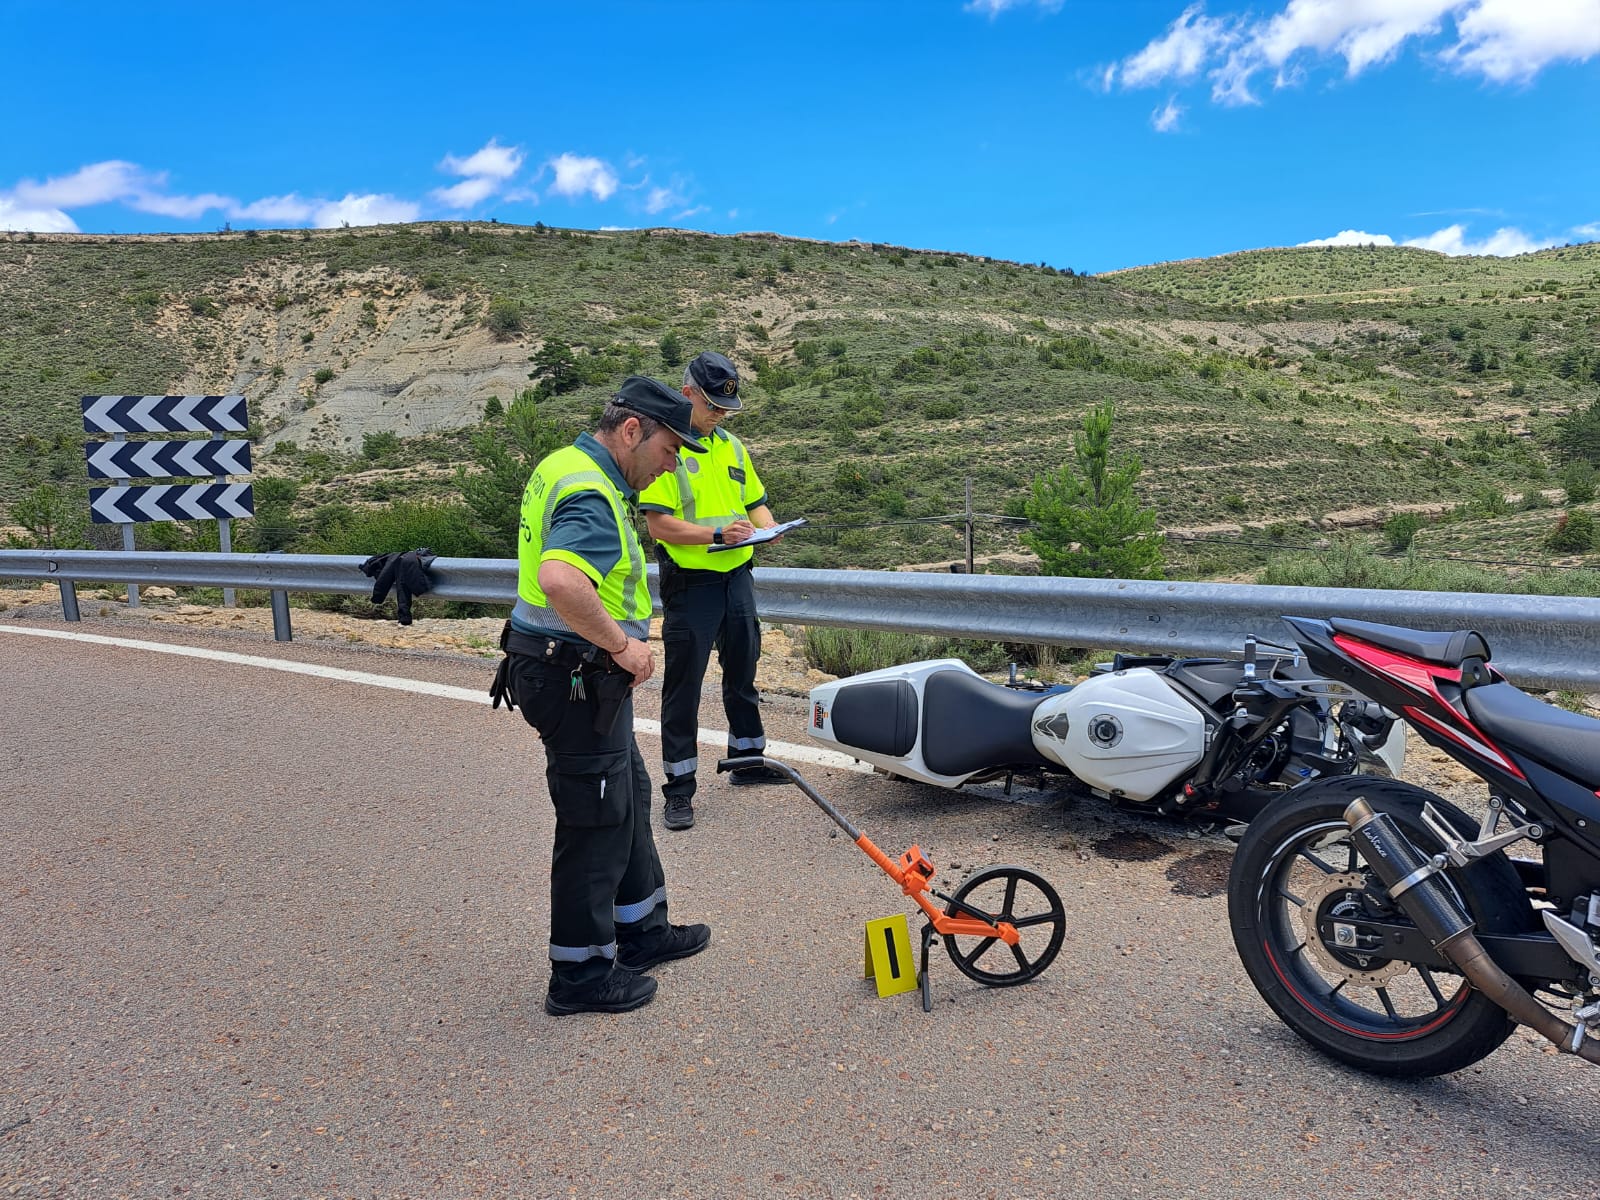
<point>1126,734</point>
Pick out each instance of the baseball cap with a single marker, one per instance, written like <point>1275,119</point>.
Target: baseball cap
<point>717,378</point>
<point>649,398</point>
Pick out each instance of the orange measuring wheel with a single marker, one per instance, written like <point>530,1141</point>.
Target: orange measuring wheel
<point>1001,927</point>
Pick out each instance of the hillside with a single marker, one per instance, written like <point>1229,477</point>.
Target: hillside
<point>1269,389</point>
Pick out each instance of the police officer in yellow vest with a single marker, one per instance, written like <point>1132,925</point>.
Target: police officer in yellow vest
<point>576,647</point>
<point>707,598</point>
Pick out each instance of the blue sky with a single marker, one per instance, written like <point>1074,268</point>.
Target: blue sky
<point>1091,134</point>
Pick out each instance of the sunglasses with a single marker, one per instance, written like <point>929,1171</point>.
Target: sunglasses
<point>712,404</point>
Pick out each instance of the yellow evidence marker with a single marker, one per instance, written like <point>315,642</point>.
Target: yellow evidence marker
<point>888,956</point>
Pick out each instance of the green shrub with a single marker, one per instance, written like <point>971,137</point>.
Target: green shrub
<point>380,445</point>
<point>1574,533</point>
<point>446,529</point>
<point>1579,481</point>
<point>852,651</point>
<point>503,319</point>
<point>1400,530</point>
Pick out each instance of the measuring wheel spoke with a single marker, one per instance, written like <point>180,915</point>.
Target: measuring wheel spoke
<point>977,952</point>
<point>1003,892</point>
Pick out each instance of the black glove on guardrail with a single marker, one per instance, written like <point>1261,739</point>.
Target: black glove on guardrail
<point>406,573</point>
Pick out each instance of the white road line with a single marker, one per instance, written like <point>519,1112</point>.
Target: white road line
<point>716,738</point>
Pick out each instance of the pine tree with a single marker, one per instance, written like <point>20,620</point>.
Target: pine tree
<point>1087,521</point>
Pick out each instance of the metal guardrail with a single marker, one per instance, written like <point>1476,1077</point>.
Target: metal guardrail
<point>1539,641</point>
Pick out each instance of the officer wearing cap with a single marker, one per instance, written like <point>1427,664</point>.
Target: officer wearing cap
<point>713,498</point>
<point>576,647</point>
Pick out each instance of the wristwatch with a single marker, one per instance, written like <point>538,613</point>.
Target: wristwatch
<point>716,536</point>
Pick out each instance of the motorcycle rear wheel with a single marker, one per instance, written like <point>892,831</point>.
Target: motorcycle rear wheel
<point>1019,897</point>
<point>1297,868</point>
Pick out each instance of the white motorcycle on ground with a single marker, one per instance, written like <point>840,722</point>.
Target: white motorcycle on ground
<point>1213,736</point>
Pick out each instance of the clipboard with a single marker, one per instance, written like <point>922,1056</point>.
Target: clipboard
<point>762,536</point>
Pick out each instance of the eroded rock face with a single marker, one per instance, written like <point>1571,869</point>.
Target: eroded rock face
<point>401,359</point>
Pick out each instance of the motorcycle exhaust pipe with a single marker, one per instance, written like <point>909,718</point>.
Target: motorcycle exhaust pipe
<point>1414,881</point>
<point>1411,879</point>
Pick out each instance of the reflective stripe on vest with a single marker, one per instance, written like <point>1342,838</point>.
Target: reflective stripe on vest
<point>623,590</point>
<point>713,467</point>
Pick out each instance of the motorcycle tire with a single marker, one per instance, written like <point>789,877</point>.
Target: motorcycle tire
<point>1296,866</point>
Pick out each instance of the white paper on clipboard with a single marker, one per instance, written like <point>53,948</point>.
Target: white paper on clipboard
<point>761,536</point>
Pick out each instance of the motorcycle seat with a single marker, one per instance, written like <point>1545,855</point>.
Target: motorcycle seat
<point>969,724</point>
<point>1442,649</point>
<point>880,717</point>
<point>1567,742</point>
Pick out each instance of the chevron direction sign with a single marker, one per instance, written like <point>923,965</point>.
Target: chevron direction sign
<point>163,414</point>
<point>170,502</point>
<point>153,460</point>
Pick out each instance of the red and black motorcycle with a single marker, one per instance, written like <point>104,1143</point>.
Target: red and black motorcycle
<point>1388,928</point>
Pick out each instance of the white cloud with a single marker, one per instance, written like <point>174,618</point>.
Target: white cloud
<point>1165,118</point>
<point>493,161</point>
<point>1501,243</point>
<point>98,183</point>
<point>1188,43</point>
<point>288,209</point>
<point>1451,240</point>
<point>1352,237</point>
<point>662,198</point>
<point>185,208</point>
<point>15,218</point>
<point>1510,40</point>
<point>466,193</point>
<point>578,176</point>
<point>486,171</point>
<point>365,210</point>
<point>1591,230</point>
<point>110,182</point>
<point>43,206</point>
<point>691,212</point>
<point>1504,41</point>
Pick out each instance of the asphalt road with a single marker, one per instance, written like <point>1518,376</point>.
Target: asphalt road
<point>273,935</point>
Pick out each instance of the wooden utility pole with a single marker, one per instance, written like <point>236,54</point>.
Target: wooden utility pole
<point>969,524</point>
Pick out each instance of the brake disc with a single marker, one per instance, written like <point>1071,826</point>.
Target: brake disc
<point>1349,910</point>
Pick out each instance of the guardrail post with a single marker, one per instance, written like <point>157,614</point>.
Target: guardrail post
<point>280,616</point>
<point>69,600</point>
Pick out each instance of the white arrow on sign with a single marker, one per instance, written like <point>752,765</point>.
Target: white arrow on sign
<point>184,411</point>
<point>139,415</point>
<point>145,500</point>
<point>95,415</point>
<point>188,499</point>
<point>233,499</point>
<point>106,504</point>
<point>147,458</point>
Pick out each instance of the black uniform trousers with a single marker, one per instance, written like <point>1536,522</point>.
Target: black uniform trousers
<point>606,881</point>
<point>707,609</point>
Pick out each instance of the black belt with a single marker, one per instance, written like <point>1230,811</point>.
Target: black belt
<point>557,651</point>
<point>675,577</point>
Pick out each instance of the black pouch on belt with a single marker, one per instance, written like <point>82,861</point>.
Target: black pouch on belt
<point>673,579</point>
<point>500,689</point>
<point>610,691</point>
